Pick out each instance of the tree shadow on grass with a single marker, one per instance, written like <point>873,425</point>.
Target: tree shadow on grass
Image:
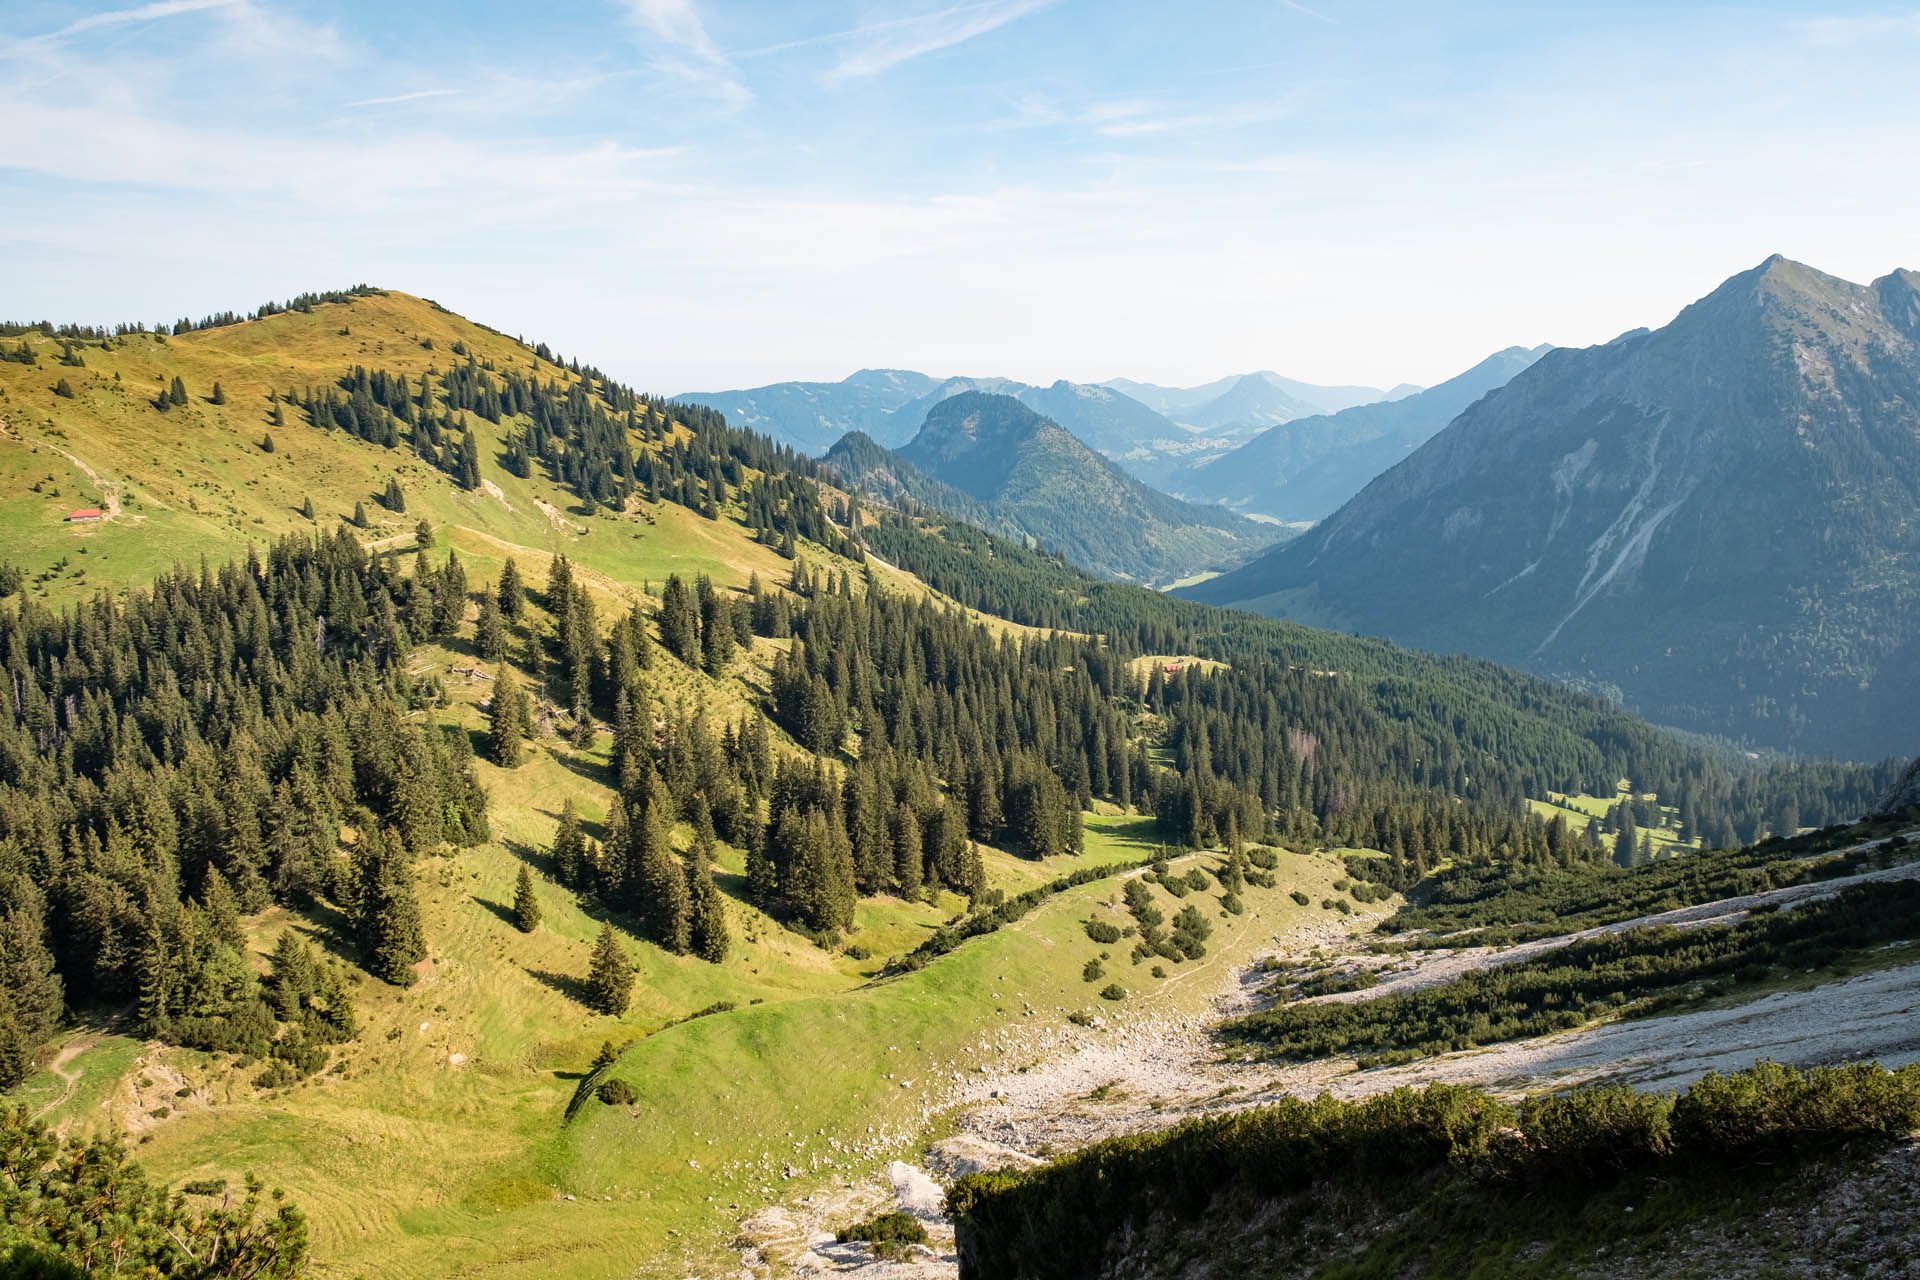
<point>499,909</point>
<point>573,988</point>
<point>593,771</point>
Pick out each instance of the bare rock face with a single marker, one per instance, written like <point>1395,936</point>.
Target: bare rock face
<point>1905,793</point>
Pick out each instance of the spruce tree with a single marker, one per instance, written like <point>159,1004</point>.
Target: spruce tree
<point>526,907</point>
<point>266,443</point>
<point>359,515</point>
<point>1626,845</point>
<point>506,716</point>
<point>610,976</point>
<point>710,937</point>
<point>569,850</point>
<point>423,533</point>
<point>177,392</point>
<point>513,596</point>
<point>661,884</point>
<point>392,939</point>
<point>393,500</point>
<point>219,396</point>
<point>306,507</point>
<point>489,632</point>
<point>63,389</point>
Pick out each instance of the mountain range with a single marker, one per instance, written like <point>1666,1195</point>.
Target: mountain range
<point>994,461</point>
<point>1305,468</point>
<point>1154,434</point>
<point>1714,520</point>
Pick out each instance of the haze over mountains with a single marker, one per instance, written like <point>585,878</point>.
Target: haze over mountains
<point>1303,469</point>
<point>1715,518</point>
<point>996,462</point>
<point>1154,434</point>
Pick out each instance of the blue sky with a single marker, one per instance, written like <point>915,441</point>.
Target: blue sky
<point>706,193</point>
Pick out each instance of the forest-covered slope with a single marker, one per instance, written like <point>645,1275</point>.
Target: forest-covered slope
<point>1023,475</point>
<point>430,723</point>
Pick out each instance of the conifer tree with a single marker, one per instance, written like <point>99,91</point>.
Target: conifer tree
<point>660,883</point>
<point>679,625</point>
<point>423,533</point>
<point>266,443</point>
<point>219,395</point>
<point>393,500</point>
<point>710,937</point>
<point>610,975</point>
<point>177,392</point>
<point>513,596</point>
<point>506,718</point>
<point>569,850</point>
<point>63,389</point>
<point>489,633</point>
<point>223,911</point>
<point>31,992</point>
<point>526,907</point>
<point>1626,845</point>
<point>359,515</point>
<point>306,507</point>
<point>392,939</point>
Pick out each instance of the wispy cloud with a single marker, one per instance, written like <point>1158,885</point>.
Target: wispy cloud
<point>1297,7</point>
<point>415,96</point>
<point>690,53</point>
<point>141,13</point>
<point>888,44</point>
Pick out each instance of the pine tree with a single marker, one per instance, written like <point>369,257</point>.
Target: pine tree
<point>661,884</point>
<point>710,937</point>
<point>223,911</point>
<point>393,500</point>
<point>569,850</point>
<point>526,907</point>
<point>489,632</point>
<point>359,515</point>
<point>679,625</point>
<point>177,393</point>
<point>266,444</point>
<point>219,396</point>
<point>63,389</point>
<point>513,595</point>
<point>306,507</point>
<point>1626,845</point>
<point>506,717</point>
<point>392,939</point>
<point>610,976</point>
<point>423,533</point>
<point>30,988</point>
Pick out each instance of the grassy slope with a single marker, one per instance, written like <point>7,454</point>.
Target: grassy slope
<point>437,1141</point>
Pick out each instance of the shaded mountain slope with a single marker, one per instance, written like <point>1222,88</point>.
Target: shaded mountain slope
<point>1715,519</point>
<point>1305,468</point>
<point>994,461</point>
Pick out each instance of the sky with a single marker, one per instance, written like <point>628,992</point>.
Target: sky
<point>707,194</point>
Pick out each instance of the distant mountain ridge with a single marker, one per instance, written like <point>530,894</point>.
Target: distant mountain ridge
<point>1716,518</point>
<point>1304,469</point>
<point>1153,435</point>
<point>992,460</point>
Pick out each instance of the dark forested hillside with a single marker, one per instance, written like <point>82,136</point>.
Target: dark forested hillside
<point>1714,519</point>
<point>1037,478</point>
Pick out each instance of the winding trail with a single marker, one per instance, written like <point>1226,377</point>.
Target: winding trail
<point>68,1052</point>
<point>109,489</point>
